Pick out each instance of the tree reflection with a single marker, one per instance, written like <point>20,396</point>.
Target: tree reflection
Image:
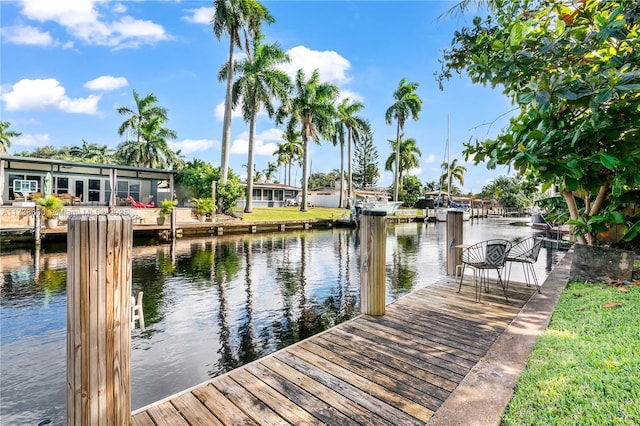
<point>247,351</point>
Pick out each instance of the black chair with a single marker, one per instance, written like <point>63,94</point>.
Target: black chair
<point>483,257</point>
<point>526,253</point>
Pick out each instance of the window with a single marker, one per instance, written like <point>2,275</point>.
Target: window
<point>129,188</point>
<point>94,190</point>
<point>267,194</point>
<point>257,193</point>
<point>14,177</point>
<point>107,190</point>
<point>62,185</point>
<point>278,195</point>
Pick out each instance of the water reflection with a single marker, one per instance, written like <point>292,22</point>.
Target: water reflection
<point>210,305</point>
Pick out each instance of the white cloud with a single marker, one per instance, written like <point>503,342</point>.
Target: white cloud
<point>86,21</point>
<point>332,67</point>
<point>201,15</point>
<point>266,142</point>
<point>431,158</point>
<point>416,171</point>
<point>189,146</point>
<point>43,94</point>
<point>219,112</point>
<point>26,35</point>
<point>31,140</point>
<point>353,96</point>
<point>106,82</point>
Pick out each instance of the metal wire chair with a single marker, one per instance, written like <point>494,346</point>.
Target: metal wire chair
<point>526,253</point>
<point>483,257</point>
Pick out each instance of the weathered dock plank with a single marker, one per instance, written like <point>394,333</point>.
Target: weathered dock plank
<point>396,369</point>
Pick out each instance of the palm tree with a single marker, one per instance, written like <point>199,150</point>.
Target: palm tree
<point>356,127</point>
<point>231,17</point>
<point>91,152</point>
<point>6,135</point>
<point>312,107</point>
<point>409,156</point>
<point>270,171</point>
<point>149,149</point>
<point>145,110</point>
<point>451,171</point>
<point>259,83</point>
<point>290,151</point>
<point>407,105</point>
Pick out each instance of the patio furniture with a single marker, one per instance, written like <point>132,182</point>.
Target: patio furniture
<point>484,257</point>
<point>526,253</point>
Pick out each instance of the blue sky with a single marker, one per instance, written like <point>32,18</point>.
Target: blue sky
<point>67,65</point>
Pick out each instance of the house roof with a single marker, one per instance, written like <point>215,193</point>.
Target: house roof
<point>75,167</point>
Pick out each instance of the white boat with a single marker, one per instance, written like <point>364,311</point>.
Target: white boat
<point>390,207</point>
<point>442,211</point>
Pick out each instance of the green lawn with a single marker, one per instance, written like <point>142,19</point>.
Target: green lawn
<point>585,368</point>
<point>262,214</point>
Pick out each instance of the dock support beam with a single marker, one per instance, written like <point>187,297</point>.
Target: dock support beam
<point>99,250</point>
<point>373,237</point>
<point>454,240</point>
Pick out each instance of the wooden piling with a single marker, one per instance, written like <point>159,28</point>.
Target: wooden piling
<point>99,252</point>
<point>173,223</point>
<point>37,223</point>
<point>373,241</point>
<point>454,238</point>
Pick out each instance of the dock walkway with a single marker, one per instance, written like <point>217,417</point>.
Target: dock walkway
<point>397,369</point>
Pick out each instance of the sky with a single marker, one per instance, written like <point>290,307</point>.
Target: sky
<point>67,65</point>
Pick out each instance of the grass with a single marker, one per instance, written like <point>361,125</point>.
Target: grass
<point>264,214</point>
<point>585,368</point>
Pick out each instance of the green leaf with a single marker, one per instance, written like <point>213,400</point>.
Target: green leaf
<point>632,232</point>
<point>536,135</point>
<point>525,98</point>
<point>497,45</point>
<point>603,96</point>
<point>617,217</point>
<point>543,97</point>
<point>609,161</point>
<point>517,34</point>
<point>628,87</point>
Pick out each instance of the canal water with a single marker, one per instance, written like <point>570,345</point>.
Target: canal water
<point>210,304</point>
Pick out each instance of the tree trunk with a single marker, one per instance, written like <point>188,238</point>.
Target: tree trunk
<point>573,211</point>
<point>248,208</point>
<point>395,177</point>
<point>226,125</point>
<point>350,160</point>
<point>342,172</point>
<point>305,173</point>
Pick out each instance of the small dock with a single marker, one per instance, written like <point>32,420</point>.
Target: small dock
<point>396,369</point>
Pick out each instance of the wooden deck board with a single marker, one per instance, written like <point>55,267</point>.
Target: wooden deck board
<point>391,370</point>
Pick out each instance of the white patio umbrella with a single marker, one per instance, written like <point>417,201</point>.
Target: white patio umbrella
<point>46,187</point>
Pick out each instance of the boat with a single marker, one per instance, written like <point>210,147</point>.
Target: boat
<point>443,211</point>
<point>390,207</point>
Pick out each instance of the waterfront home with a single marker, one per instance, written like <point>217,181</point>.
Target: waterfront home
<point>78,183</point>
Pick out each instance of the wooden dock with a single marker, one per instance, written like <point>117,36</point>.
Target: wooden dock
<point>396,369</point>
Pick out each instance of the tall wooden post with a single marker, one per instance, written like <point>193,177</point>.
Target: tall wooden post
<point>454,238</point>
<point>37,224</point>
<point>99,252</point>
<point>173,223</point>
<point>373,241</point>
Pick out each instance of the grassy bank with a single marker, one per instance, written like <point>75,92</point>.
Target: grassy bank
<point>585,368</point>
<point>263,214</point>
